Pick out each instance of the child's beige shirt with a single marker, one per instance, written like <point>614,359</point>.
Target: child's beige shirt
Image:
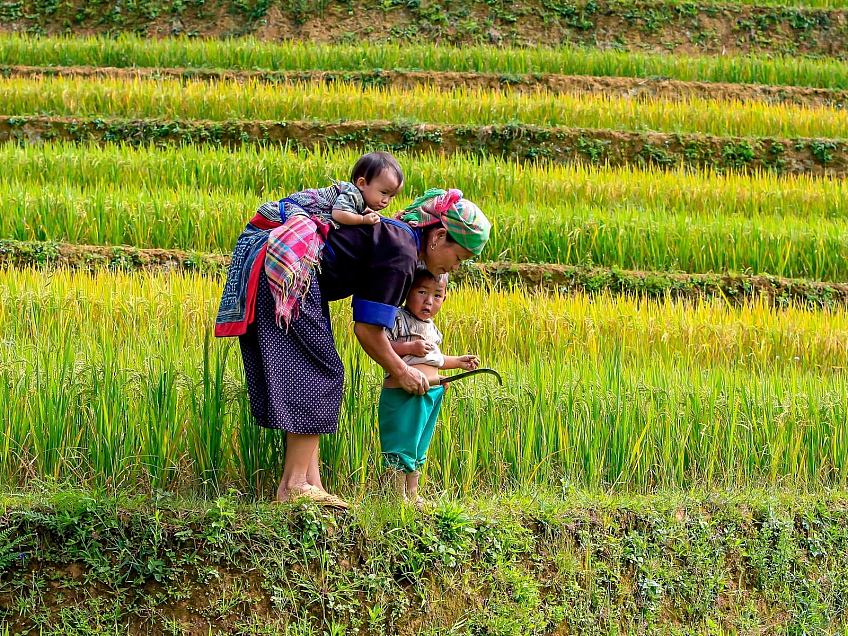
<point>409,328</point>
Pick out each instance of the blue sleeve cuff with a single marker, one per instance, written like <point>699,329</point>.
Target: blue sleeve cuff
<point>372,313</point>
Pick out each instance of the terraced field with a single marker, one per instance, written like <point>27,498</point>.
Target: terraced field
<point>629,392</point>
<point>664,293</point>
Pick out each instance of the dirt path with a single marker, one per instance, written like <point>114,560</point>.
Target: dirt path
<point>524,143</point>
<point>562,278</point>
<point>637,88</point>
<point>636,25</point>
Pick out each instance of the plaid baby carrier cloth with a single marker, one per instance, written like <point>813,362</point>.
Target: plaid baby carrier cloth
<point>286,238</point>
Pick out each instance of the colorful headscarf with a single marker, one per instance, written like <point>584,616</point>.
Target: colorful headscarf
<point>465,222</point>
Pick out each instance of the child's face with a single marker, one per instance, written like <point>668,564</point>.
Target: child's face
<point>380,192</point>
<point>426,298</point>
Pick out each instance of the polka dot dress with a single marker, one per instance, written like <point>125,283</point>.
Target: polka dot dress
<point>294,378</point>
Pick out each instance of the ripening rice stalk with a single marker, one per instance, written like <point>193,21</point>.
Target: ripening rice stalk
<point>160,405</point>
<point>276,172</point>
<point>228,100</point>
<point>604,392</point>
<point>628,234</point>
<point>208,404</point>
<point>251,54</point>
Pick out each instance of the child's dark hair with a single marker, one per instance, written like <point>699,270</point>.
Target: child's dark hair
<point>373,164</point>
<point>422,273</point>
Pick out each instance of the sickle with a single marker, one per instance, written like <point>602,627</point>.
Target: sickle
<point>461,376</point>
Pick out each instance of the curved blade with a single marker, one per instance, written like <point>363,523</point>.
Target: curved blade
<point>466,374</point>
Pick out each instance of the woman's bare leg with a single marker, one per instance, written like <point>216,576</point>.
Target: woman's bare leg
<point>301,451</point>
<point>313,476</point>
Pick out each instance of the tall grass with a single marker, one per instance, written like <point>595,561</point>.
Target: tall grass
<point>249,54</point>
<point>276,172</point>
<point>625,234</point>
<point>230,100</point>
<point>115,381</point>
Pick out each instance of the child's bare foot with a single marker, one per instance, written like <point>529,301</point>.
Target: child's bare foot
<point>412,496</point>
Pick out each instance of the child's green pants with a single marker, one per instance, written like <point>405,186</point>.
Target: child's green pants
<point>407,423</point>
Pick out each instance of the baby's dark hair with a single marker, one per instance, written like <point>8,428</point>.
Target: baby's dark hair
<point>373,164</point>
<point>422,273</point>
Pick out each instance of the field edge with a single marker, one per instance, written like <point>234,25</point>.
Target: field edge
<point>599,147</point>
<point>556,561</point>
<point>730,287</point>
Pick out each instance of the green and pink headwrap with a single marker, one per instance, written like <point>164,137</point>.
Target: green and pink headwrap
<point>463,220</point>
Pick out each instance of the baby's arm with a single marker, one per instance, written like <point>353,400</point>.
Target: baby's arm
<point>343,217</point>
<point>418,348</point>
<point>350,207</point>
<point>468,363</point>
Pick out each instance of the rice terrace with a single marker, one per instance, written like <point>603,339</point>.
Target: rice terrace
<point>246,247</point>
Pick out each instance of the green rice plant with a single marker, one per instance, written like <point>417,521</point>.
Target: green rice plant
<point>252,54</point>
<point>592,230</point>
<point>642,239</point>
<point>605,392</point>
<point>54,440</point>
<point>112,441</point>
<point>115,215</point>
<point>258,451</point>
<point>160,401</point>
<point>252,100</point>
<point>208,404</point>
<point>276,172</point>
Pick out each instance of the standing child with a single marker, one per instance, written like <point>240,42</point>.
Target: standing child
<point>407,421</point>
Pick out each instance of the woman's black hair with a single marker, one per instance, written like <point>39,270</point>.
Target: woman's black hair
<point>427,232</point>
<point>373,164</point>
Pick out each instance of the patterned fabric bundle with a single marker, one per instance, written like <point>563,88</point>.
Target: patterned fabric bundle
<point>312,202</point>
<point>465,222</point>
<point>294,250</point>
<point>278,235</point>
<point>237,307</point>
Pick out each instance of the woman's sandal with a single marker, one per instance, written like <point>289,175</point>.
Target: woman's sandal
<point>318,497</point>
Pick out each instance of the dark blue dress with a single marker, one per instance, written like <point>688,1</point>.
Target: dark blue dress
<point>295,377</point>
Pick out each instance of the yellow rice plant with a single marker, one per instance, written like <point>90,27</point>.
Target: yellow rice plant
<point>115,380</point>
<point>249,54</point>
<point>227,100</point>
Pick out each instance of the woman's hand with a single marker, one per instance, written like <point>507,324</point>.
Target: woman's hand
<point>413,381</point>
<point>377,346</point>
<point>420,348</point>
<point>469,362</point>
